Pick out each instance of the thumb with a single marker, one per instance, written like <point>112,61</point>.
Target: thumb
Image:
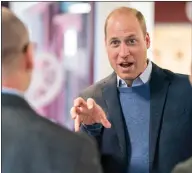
<point>77,124</point>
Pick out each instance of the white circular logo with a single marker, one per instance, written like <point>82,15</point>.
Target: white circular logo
<point>47,79</point>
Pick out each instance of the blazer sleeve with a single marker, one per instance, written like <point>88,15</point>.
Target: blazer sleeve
<point>95,130</point>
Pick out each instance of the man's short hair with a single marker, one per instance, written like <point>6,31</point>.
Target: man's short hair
<point>125,10</point>
<point>15,36</point>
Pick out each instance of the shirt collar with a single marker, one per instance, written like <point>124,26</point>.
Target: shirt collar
<point>12,91</point>
<point>142,79</point>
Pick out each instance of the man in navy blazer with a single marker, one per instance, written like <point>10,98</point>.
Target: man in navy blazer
<point>140,115</point>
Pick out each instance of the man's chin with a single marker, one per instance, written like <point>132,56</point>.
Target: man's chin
<point>127,76</point>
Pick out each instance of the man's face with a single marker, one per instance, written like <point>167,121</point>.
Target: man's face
<point>126,46</point>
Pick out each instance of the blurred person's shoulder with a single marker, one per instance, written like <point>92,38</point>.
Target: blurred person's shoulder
<point>35,140</point>
<point>72,147</point>
<point>57,132</point>
<point>27,123</point>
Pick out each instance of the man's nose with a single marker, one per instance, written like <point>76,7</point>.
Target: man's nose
<point>124,51</point>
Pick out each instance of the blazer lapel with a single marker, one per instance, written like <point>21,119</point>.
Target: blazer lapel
<point>159,85</point>
<point>111,98</point>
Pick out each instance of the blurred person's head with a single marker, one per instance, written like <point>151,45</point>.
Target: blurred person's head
<point>127,41</point>
<point>17,53</point>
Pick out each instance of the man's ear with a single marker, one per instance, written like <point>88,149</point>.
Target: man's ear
<point>147,40</point>
<point>29,55</point>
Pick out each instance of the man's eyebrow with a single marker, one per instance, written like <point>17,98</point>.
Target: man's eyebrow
<point>127,37</point>
<point>113,38</point>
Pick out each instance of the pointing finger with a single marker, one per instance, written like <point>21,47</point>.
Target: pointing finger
<point>73,113</point>
<point>77,124</point>
<point>79,102</point>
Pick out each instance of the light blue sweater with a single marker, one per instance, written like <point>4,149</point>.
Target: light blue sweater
<point>135,103</point>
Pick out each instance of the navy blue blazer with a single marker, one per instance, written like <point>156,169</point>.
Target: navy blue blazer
<point>170,122</point>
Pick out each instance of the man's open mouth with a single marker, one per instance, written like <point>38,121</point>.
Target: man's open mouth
<point>126,65</point>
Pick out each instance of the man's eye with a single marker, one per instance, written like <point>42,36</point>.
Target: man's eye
<point>131,41</point>
<point>115,42</point>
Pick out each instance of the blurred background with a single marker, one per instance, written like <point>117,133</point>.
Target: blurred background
<point>69,46</point>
